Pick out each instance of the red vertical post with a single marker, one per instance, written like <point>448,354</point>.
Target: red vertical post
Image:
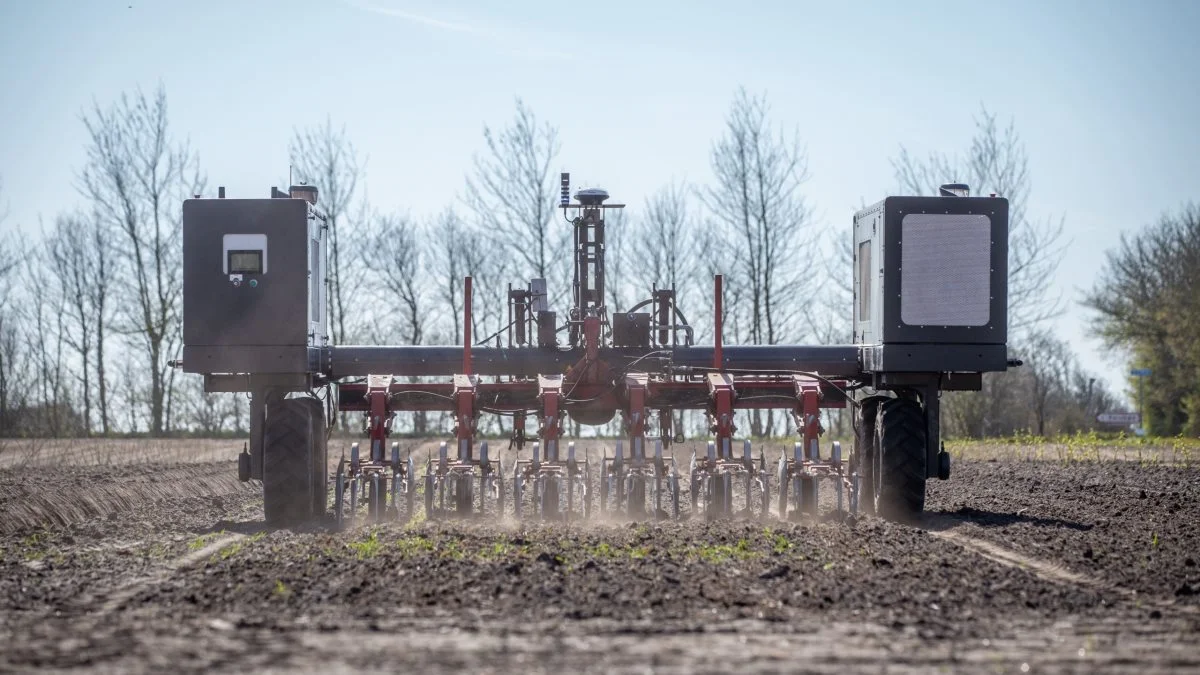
<point>467,326</point>
<point>718,321</point>
<point>809,418</point>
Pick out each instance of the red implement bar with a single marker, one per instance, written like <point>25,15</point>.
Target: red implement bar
<point>523,395</point>
<point>808,414</point>
<point>550,391</point>
<point>380,418</point>
<point>722,394</point>
<point>466,419</point>
<point>635,386</point>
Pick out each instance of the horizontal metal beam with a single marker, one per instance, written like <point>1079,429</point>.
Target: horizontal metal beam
<point>526,395</point>
<point>350,360</point>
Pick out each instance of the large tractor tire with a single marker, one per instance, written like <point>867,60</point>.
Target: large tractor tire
<point>294,455</point>
<point>899,467</point>
<point>864,450</point>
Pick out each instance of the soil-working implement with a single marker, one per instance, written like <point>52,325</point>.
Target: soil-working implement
<point>929,315</point>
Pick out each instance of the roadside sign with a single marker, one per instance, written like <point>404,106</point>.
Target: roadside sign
<point>1122,418</point>
<point>1140,372</point>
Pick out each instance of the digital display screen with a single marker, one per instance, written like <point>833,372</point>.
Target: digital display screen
<point>245,262</point>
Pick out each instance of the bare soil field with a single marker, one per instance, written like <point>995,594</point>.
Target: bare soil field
<point>1019,566</point>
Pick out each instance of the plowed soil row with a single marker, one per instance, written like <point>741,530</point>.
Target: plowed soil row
<point>1086,567</point>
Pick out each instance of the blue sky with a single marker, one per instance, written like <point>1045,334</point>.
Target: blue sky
<point>1105,95</point>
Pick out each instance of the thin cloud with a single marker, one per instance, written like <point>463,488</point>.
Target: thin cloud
<point>425,20</point>
<point>505,41</point>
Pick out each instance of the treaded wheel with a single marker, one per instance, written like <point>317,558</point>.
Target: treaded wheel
<point>320,459</point>
<point>293,454</point>
<point>899,467</point>
<point>864,450</point>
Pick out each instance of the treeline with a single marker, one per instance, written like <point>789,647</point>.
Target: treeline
<point>90,310</point>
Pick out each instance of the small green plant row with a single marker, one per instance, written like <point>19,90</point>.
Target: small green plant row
<point>371,543</point>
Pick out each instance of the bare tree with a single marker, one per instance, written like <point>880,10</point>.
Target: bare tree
<point>44,336</point>
<point>324,156</point>
<point>136,175</point>
<point>67,253</point>
<point>512,192</point>
<point>98,292</point>
<point>393,252</point>
<point>997,162</point>
<point>450,259</point>
<point>12,362</point>
<point>757,199</point>
<point>1049,364</point>
<point>209,414</point>
<point>618,261</point>
<point>458,250</point>
<point>665,251</point>
<point>78,252</point>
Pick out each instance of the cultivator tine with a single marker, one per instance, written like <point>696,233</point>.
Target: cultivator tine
<point>813,492</point>
<point>465,496</point>
<point>339,492</point>
<point>604,481</point>
<point>570,479</point>
<point>538,482</point>
<point>673,480</point>
<point>694,485</point>
<point>748,460</point>
<point>485,477</point>
<point>781,474</point>
<point>551,506</point>
<point>376,500</point>
<point>659,471</point>
<point>411,487</point>
<point>635,504</point>
<point>835,456</point>
<point>764,482</point>
<point>797,481</point>
<point>354,481</point>
<point>855,493</point>
<point>518,486</point>
<point>395,492</point>
<point>619,473</point>
<point>430,488</point>
<point>586,479</point>
<point>498,472</point>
